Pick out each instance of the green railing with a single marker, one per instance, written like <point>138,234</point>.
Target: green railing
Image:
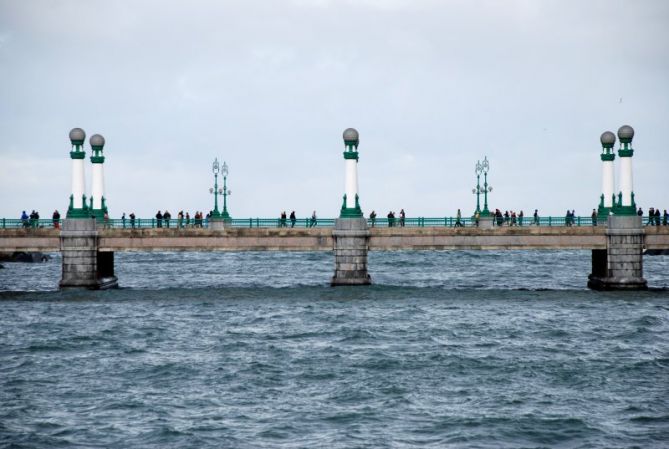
<point>415,222</point>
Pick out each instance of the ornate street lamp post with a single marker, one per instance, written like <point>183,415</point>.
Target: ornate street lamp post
<point>486,188</point>
<point>477,191</point>
<point>215,167</point>
<point>482,167</point>
<point>226,192</point>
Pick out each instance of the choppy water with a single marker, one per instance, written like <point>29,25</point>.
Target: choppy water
<point>254,350</point>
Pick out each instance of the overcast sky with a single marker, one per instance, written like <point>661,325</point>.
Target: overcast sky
<point>269,86</point>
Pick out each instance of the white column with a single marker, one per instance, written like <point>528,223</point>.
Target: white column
<point>78,183</point>
<point>98,186</point>
<point>608,183</point>
<point>626,180</point>
<point>351,182</point>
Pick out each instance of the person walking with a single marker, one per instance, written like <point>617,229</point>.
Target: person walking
<point>132,220</point>
<point>520,218</point>
<point>159,220</point>
<point>594,217</point>
<point>535,219</point>
<point>651,216</point>
<point>477,218</point>
<point>372,217</point>
<point>314,220</point>
<point>402,217</point>
<point>123,220</point>
<point>665,221</point>
<point>293,219</point>
<point>657,217</point>
<point>167,216</point>
<point>458,219</point>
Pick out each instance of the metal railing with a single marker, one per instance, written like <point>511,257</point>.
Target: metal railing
<point>414,222</point>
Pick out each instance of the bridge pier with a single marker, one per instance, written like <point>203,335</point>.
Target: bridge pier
<point>620,265</point>
<point>351,244</point>
<point>83,265</point>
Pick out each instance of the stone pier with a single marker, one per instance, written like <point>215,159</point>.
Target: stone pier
<point>351,244</point>
<point>83,265</point>
<point>620,265</point>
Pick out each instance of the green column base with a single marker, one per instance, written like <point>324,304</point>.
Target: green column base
<point>78,213</point>
<point>350,212</point>
<point>99,214</point>
<point>624,210</point>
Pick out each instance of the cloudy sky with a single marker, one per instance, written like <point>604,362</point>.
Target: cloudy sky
<point>269,86</point>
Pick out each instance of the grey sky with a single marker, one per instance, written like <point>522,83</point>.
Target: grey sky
<point>270,86</point>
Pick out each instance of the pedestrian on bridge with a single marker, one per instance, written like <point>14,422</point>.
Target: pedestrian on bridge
<point>293,219</point>
<point>594,217</point>
<point>314,220</point>
<point>520,218</point>
<point>166,217</point>
<point>402,217</point>
<point>458,220</point>
<point>159,219</point>
<point>651,217</point>
<point>132,220</point>
<point>665,221</point>
<point>535,220</point>
<point>657,217</point>
<point>372,217</point>
<point>56,219</point>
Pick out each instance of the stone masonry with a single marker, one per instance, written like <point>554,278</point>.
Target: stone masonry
<point>82,265</point>
<point>351,244</point>
<point>624,256</point>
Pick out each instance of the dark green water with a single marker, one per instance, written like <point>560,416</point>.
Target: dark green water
<point>447,350</point>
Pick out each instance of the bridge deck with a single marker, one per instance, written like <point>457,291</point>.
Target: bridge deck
<point>320,239</point>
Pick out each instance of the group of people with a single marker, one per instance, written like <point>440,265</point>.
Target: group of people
<point>30,221</point>
<point>183,220</point>
<point>392,218</point>
<point>511,218</point>
<point>654,217</point>
<point>283,220</point>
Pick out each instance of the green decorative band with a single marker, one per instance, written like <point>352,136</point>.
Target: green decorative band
<point>99,214</point>
<point>351,155</point>
<point>83,212</point>
<point>624,210</point>
<point>351,143</point>
<point>77,142</point>
<point>97,159</point>
<point>608,157</point>
<point>77,154</point>
<point>350,212</point>
<point>97,147</point>
<point>626,153</point>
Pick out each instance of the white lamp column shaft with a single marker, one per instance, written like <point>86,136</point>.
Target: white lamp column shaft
<point>98,183</point>
<point>78,183</point>
<point>626,180</point>
<point>351,182</point>
<point>608,187</point>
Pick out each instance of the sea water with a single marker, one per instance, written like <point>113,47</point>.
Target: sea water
<point>446,349</point>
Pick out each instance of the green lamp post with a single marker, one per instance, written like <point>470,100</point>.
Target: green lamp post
<point>226,192</point>
<point>482,168</point>
<point>215,167</point>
